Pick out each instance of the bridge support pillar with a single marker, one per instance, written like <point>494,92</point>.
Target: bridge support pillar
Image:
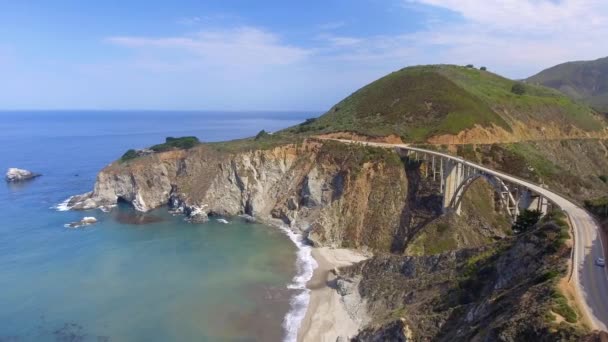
<point>454,176</point>
<point>530,201</point>
<point>543,205</point>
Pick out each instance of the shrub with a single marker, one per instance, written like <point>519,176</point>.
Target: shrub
<point>561,307</point>
<point>518,88</point>
<point>604,178</point>
<point>483,68</point>
<point>176,143</point>
<point>598,206</point>
<point>470,66</point>
<point>547,276</point>
<point>308,121</point>
<point>130,154</point>
<point>442,227</point>
<point>526,220</point>
<point>261,134</point>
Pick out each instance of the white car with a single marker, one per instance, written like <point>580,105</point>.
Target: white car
<point>600,262</point>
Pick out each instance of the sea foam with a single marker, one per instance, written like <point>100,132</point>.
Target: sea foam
<point>63,206</point>
<point>305,266</point>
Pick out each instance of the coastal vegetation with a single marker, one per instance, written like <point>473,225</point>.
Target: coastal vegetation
<point>518,88</point>
<point>526,220</point>
<point>130,154</point>
<point>417,103</point>
<point>598,206</point>
<point>171,143</point>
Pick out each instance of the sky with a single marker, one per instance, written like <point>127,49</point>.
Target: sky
<point>269,54</point>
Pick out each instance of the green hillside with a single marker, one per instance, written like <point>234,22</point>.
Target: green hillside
<point>424,101</point>
<point>584,80</point>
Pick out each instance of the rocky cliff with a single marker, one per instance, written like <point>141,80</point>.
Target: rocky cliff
<point>507,291</point>
<point>434,276</point>
<point>342,195</point>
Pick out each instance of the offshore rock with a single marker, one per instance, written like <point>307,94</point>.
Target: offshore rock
<point>20,175</point>
<point>86,221</point>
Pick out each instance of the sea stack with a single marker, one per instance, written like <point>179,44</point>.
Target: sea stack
<point>20,175</point>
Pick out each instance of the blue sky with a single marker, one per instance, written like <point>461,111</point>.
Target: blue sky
<point>269,55</point>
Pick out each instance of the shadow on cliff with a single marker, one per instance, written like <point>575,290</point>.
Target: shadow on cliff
<point>126,214</point>
<point>422,205</point>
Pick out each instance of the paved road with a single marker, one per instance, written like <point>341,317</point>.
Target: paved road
<point>590,281</point>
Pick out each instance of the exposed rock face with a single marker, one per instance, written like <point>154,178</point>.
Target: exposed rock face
<point>395,331</point>
<point>343,195</point>
<point>20,175</point>
<point>494,293</point>
<point>346,195</point>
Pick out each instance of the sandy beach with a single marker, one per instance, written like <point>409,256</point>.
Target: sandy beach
<point>326,319</point>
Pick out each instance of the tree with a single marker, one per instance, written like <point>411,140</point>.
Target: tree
<point>526,220</point>
<point>483,68</point>
<point>470,66</point>
<point>518,88</point>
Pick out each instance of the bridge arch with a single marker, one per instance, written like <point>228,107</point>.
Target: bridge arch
<point>508,201</point>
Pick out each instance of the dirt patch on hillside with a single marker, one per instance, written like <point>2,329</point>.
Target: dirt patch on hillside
<point>390,139</point>
<point>521,132</point>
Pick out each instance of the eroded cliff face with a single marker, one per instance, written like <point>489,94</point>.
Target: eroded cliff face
<point>341,195</point>
<point>500,292</point>
<point>344,195</point>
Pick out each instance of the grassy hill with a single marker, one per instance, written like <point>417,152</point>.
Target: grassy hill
<point>419,102</point>
<point>584,80</point>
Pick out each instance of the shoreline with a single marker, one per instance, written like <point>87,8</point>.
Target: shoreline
<point>316,313</point>
<point>326,319</point>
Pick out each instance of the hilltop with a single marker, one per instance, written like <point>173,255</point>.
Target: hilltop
<point>586,81</point>
<point>448,105</point>
<point>430,103</point>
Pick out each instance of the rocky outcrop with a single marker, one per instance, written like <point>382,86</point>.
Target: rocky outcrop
<point>395,331</point>
<point>20,175</point>
<point>344,195</point>
<point>500,292</point>
<point>86,221</point>
<point>341,195</point>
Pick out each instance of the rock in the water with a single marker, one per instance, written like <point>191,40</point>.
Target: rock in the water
<point>87,221</point>
<point>196,214</point>
<point>19,175</point>
<point>248,218</point>
<point>222,221</point>
<point>82,202</point>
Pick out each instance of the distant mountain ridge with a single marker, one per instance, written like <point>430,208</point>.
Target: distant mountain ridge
<point>586,81</point>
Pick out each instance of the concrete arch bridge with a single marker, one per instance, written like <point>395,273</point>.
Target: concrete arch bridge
<point>455,175</point>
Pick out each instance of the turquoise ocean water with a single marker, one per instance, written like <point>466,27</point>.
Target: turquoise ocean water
<point>166,280</point>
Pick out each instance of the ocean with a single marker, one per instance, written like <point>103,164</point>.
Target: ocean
<point>133,276</point>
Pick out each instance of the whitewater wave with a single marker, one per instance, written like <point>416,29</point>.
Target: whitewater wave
<point>63,206</point>
<point>305,266</point>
